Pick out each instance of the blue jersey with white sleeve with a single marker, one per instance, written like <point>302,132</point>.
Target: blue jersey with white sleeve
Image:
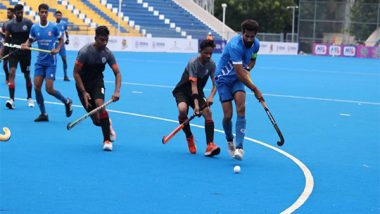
<point>235,52</point>
<point>46,37</point>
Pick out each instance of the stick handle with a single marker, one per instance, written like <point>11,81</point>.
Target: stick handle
<point>29,48</point>
<point>273,121</point>
<point>77,121</point>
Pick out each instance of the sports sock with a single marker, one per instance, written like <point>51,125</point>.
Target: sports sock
<point>29,88</point>
<point>105,124</point>
<point>65,69</point>
<point>11,87</point>
<point>209,128</point>
<point>59,96</point>
<point>186,127</point>
<point>40,101</point>
<point>240,131</point>
<point>227,126</point>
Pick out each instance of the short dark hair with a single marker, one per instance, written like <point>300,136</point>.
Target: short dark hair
<point>43,6</point>
<point>11,9</point>
<point>206,43</point>
<point>102,31</point>
<point>250,25</point>
<point>18,7</point>
<point>56,12</point>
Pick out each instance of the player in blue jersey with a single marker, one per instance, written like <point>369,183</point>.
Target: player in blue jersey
<point>62,26</point>
<point>232,74</point>
<point>46,34</point>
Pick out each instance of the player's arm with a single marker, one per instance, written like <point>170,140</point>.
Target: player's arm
<point>6,40</point>
<point>195,94</point>
<point>58,48</point>
<point>252,63</point>
<point>210,98</point>
<point>116,72</point>
<point>67,37</point>
<point>244,77</point>
<point>78,81</point>
<point>30,40</point>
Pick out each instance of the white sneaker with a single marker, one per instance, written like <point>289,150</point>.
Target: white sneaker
<point>10,104</point>
<point>112,133</point>
<point>231,148</point>
<point>30,103</point>
<point>107,146</point>
<point>239,153</point>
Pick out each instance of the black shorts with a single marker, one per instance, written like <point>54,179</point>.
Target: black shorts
<point>188,99</point>
<point>22,56</point>
<point>96,91</point>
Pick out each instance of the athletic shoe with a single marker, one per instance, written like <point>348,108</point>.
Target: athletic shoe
<point>238,154</point>
<point>112,133</point>
<point>212,150</point>
<point>10,104</point>
<point>66,78</point>
<point>69,107</point>
<point>107,146</point>
<point>30,103</point>
<point>231,148</point>
<point>191,145</point>
<point>42,118</point>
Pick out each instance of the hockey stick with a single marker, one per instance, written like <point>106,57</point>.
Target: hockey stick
<point>76,122</point>
<point>28,48</point>
<point>271,118</point>
<point>4,57</point>
<point>165,139</point>
<point>7,134</point>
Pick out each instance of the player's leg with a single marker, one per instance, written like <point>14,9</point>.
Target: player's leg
<point>226,97</point>
<point>240,126</point>
<point>62,52</point>
<point>39,75</point>
<point>212,149</point>
<point>183,102</point>
<point>49,86</point>
<point>105,125</point>
<point>25,60</point>
<point>95,117</point>
<point>13,61</point>
<point>5,65</point>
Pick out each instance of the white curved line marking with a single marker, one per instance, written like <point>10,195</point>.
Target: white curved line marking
<point>308,176</point>
<point>309,180</point>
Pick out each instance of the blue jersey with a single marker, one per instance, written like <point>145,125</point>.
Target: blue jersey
<point>46,37</point>
<point>62,27</point>
<point>234,52</point>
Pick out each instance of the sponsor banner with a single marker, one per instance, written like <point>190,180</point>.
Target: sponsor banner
<point>139,44</point>
<point>219,45</point>
<point>368,52</point>
<point>278,48</point>
<point>346,50</point>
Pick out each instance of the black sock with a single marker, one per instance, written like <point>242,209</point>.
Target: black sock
<point>209,128</point>
<point>186,128</point>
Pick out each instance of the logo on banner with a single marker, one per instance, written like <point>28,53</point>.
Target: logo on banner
<point>364,51</point>
<point>124,43</point>
<point>320,49</point>
<point>335,50</point>
<point>349,51</point>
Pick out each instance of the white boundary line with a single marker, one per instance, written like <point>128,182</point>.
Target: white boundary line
<point>309,180</point>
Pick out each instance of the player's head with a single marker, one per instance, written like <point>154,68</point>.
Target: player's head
<point>43,11</point>
<point>206,48</point>
<point>10,13</point>
<point>58,15</point>
<point>101,37</point>
<point>19,12</point>
<point>249,28</point>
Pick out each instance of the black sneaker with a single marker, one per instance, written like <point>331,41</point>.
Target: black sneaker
<point>69,107</point>
<point>66,78</point>
<point>42,118</point>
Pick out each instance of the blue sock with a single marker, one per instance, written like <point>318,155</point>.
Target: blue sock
<point>240,131</point>
<point>227,126</point>
<point>59,96</point>
<point>40,102</point>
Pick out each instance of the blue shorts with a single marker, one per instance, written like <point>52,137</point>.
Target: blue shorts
<point>47,72</point>
<point>227,90</point>
<point>62,51</point>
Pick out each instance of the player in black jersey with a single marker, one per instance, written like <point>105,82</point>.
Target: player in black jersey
<point>10,16</point>
<point>189,92</point>
<point>88,75</point>
<point>17,32</point>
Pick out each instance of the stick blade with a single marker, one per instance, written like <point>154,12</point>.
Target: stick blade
<point>68,127</point>
<point>164,140</point>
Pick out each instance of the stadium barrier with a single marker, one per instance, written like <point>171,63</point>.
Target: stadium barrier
<point>360,51</point>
